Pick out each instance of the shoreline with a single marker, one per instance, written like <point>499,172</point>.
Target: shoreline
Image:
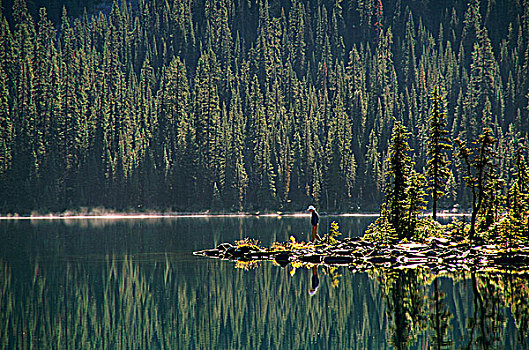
<point>161,215</point>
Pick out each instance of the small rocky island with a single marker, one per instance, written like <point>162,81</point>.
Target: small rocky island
<point>437,254</point>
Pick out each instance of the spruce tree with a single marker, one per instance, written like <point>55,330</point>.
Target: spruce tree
<point>438,145</point>
<point>415,200</point>
<point>207,118</point>
<point>6,122</point>
<point>6,128</point>
<point>398,173</point>
<point>26,166</point>
<point>236,175</point>
<point>480,173</point>
<point>519,191</point>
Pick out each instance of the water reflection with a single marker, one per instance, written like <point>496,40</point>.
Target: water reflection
<point>315,281</point>
<point>157,302</point>
<point>136,285</point>
<point>439,318</point>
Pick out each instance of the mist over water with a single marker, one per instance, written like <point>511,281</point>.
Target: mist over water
<point>134,283</point>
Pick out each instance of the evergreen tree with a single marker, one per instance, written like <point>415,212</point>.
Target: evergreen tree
<point>174,123</point>
<point>138,101</point>
<point>296,33</point>
<point>480,173</point>
<point>374,174</point>
<point>439,318</point>
<point>398,175</point>
<point>484,85</point>
<point>438,144</point>
<point>6,122</point>
<point>25,166</point>
<point>415,202</point>
<point>236,175</point>
<point>207,116</point>
<point>6,127</point>
<point>519,191</point>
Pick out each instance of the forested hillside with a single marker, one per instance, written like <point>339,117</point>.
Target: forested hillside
<point>243,104</point>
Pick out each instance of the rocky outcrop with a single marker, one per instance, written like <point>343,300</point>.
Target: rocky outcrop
<point>436,254</point>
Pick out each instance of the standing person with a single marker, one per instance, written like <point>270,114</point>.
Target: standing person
<point>314,219</point>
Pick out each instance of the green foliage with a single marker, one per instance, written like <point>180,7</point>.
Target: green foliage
<point>248,242</point>
<point>254,105</point>
<point>415,202</point>
<point>457,230</point>
<point>292,245</point>
<point>381,230</point>
<point>513,225</point>
<point>425,228</point>
<point>398,175</point>
<point>481,176</point>
<point>438,145</point>
<point>512,228</point>
<point>518,195</point>
<point>330,237</point>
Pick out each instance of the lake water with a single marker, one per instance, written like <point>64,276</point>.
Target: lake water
<point>134,284</point>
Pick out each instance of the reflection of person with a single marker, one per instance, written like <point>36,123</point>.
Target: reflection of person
<point>314,222</point>
<point>315,281</point>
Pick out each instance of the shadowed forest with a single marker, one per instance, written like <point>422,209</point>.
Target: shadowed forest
<point>248,105</point>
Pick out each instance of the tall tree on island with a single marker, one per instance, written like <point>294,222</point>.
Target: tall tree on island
<point>480,171</point>
<point>398,173</point>
<point>438,164</point>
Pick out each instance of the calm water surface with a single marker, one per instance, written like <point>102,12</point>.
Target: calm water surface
<point>134,284</point>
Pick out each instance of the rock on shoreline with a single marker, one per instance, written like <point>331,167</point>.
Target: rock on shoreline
<point>358,254</point>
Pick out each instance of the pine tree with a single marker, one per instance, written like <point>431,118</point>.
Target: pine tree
<point>71,120</point>
<point>26,166</point>
<point>6,128</point>
<point>356,99</point>
<point>207,116</point>
<point>341,170</point>
<point>519,191</point>
<point>438,144</point>
<point>408,56</point>
<point>415,198</point>
<point>296,33</point>
<point>472,25</point>
<point>220,36</point>
<point>374,174</point>
<point>6,122</point>
<point>398,175</point>
<point>236,175</point>
<point>173,124</point>
<point>484,84</point>
<point>480,173</point>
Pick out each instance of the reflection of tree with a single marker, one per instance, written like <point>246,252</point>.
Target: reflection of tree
<point>488,319</point>
<point>404,292</point>
<point>515,289</point>
<point>439,318</point>
<point>138,302</point>
<point>6,306</point>
<point>143,303</point>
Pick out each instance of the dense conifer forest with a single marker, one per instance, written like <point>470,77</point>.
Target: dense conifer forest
<point>249,105</point>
